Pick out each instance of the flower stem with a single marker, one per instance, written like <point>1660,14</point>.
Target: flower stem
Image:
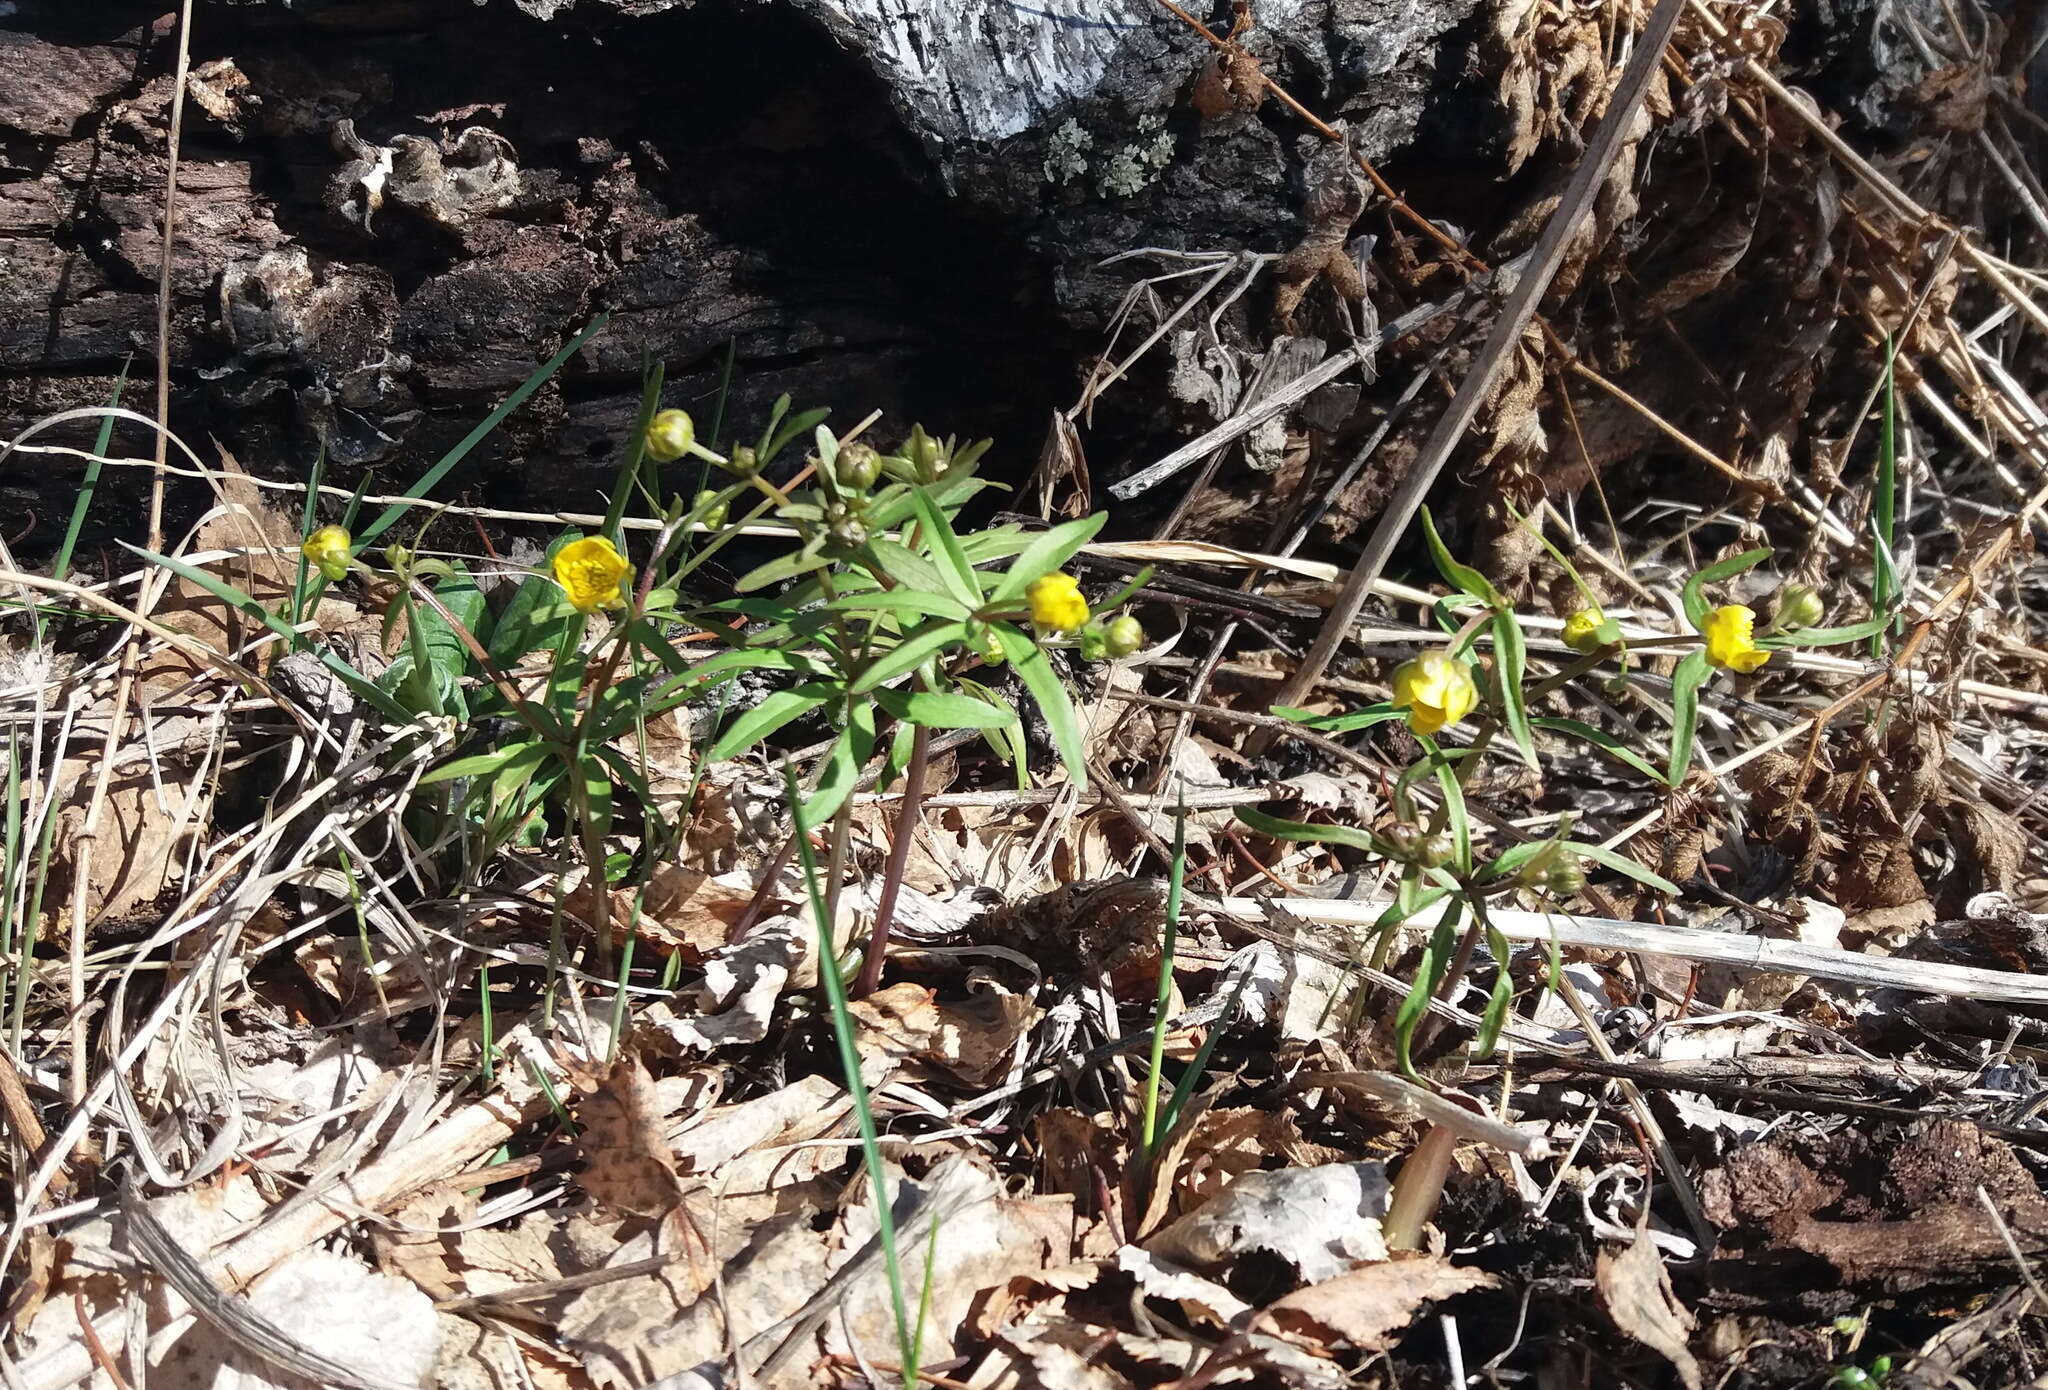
<point>899,856</point>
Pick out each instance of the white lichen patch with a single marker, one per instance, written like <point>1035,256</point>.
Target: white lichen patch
<point>1065,159</point>
<point>1135,165</point>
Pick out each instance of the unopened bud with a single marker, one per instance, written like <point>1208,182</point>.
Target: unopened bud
<point>1123,635</point>
<point>711,509</point>
<point>669,435</point>
<point>858,467</point>
<point>1564,878</point>
<point>1798,606</point>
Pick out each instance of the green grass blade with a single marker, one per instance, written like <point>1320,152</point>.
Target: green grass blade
<point>390,515</point>
<point>849,1062</point>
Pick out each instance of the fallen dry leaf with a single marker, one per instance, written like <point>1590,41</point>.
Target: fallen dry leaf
<point>1636,1291</point>
<point>627,1161</point>
<point>1367,1307</point>
<point>1324,1221</point>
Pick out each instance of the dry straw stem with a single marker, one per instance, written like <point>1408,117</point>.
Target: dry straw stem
<point>1692,944</point>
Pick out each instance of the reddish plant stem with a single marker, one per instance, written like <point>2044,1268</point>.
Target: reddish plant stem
<point>899,857</point>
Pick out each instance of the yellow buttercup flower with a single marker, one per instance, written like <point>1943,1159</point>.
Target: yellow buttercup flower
<point>1056,603</point>
<point>592,574</point>
<point>327,550</point>
<point>1582,631</point>
<point>1730,631</point>
<point>1437,691</point>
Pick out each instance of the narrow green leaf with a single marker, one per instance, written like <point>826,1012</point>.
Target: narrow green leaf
<point>1046,553</point>
<point>1053,701</point>
<point>918,646</point>
<point>1461,577</point>
<point>782,567</point>
<point>1511,655</point>
<point>941,709</point>
<point>749,727</point>
<point>1686,678</point>
<point>1694,593</point>
<point>906,566</point>
<point>1342,723</point>
<point>843,766</point>
<point>475,765</point>
<point>391,514</point>
<point>937,533</point>
<point>1496,1015</point>
<point>915,602</point>
<point>1604,741</point>
<point>1455,817</point>
<point>1273,827</point>
<point>364,689</point>
<point>1826,636</point>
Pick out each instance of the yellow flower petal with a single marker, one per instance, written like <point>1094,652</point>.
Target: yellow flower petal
<point>327,550</point>
<point>592,574</point>
<point>1437,691</point>
<point>1730,631</point>
<point>1057,604</point>
<point>1582,631</point>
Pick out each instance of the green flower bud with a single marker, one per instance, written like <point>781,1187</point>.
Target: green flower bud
<point>399,557</point>
<point>1123,635</point>
<point>1564,878</point>
<point>744,462</point>
<point>1434,851</point>
<point>714,514</point>
<point>858,467</point>
<point>1093,646</point>
<point>1401,839</point>
<point>1798,606</point>
<point>669,435</point>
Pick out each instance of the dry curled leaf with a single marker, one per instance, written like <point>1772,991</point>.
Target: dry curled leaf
<point>628,1163</point>
<point>1636,1292</point>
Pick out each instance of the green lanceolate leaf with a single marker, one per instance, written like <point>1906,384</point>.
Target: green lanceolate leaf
<point>1460,577</point>
<point>782,567</point>
<point>597,797</point>
<point>1826,636</point>
<point>749,727</point>
<point>1050,693</point>
<point>1512,654</point>
<point>1341,723</point>
<point>1694,594</point>
<point>476,765</point>
<point>1604,741</point>
<point>1686,679</point>
<point>937,533</point>
<point>1455,817</point>
<point>942,709</point>
<point>850,753</point>
<point>1512,860</point>
<point>908,568</point>
<point>1305,832</point>
<point>918,646</point>
<point>1496,1015</point>
<point>1046,553</point>
<point>432,477</point>
<point>913,602</point>
<point>1429,973</point>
